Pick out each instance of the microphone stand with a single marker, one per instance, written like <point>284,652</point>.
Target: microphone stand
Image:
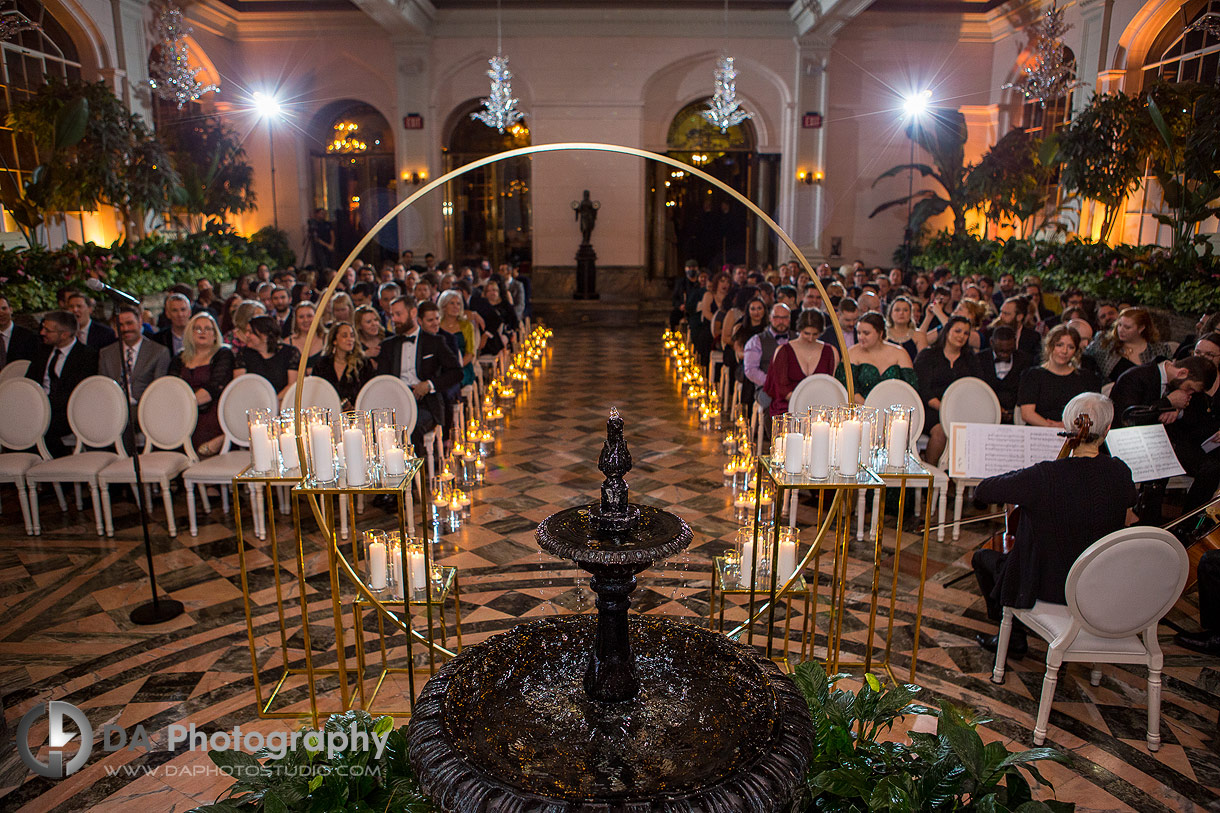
<point>159,610</point>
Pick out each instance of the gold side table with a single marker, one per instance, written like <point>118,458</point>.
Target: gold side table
<point>443,588</point>
<point>726,582</point>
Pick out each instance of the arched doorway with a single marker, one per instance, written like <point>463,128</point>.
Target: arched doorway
<point>352,161</point>
<point>487,212</point>
<point>692,221</point>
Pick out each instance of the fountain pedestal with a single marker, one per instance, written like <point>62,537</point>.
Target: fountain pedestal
<point>618,714</point>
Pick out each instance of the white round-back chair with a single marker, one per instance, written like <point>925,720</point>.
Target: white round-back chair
<point>26,415</point>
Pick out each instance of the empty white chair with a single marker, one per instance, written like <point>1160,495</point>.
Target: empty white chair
<point>25,414</point>
<point>818,389</point>
<point>97,415</point>
<point>167,413</point>
<point>886,394</point>
<point>14,369</point>
<point>1104,620</point>
<point>249,391</point>
<point>316,392</point>
<point>967,400</point>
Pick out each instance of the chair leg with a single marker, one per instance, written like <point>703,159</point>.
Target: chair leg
<point>1001,649</point>
<point>97,508</point>
<point>190,508</point>
<point>107,514</point>
<point>59,495</point>
<point>168,499</point>
<point>1095,677</point>
<point>256,511</point>
<point>285,505</point>
<point>80,498</point>
<point>224,499</point>
<point>860,508</point>
<point>25,507</point>
<point>1154,709</point>
<point>35,518</point>
<point>1053,661</point>
<point>942,507</point>
<point>877,514</point>
<point>343,517</point>
<point>917,506</point>
<point>957,510</point>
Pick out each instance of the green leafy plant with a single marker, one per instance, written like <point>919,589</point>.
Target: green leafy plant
<point>944,140</point>
<point>311,781</point>
<point>1011,182</point>
<point>851,770</point>
<point>217,180</point>
<point>274,243</point>
<point>27,201</point>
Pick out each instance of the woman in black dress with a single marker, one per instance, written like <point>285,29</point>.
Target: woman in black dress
<point>343,364</point>
<point>498,316</point>
<point>938,366</point>
<point>1046,389</point>
<point>1066,506</point>
<point>207,365</point>
<point>266,355</point>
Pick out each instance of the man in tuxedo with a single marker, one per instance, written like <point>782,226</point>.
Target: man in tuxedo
<point>148,360</point>
<point>92,333</point>
<point>424,361</point>
<point>1002,365</point>
<point>1163,389</point>
<point>15,341</point>
<point>177,314</point>
<point>59,365</point>
<point>849,313</point>
<point>281,310</point>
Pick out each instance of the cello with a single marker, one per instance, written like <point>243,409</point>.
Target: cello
<point>1002,541</point>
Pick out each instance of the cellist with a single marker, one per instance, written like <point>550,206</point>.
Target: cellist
<point>1065,506</point>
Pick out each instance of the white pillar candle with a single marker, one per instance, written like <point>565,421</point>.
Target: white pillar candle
<point>747,562</point>
<point>896,446</point>
<point>288,450</point>
<point>385,442</point>
<point>849,447</point>
<point>377,564</point>
<point>794,452</point>
<point>415,566</point>
<point>787,559</point>
<point>319,446</point>
<point>353,456</point>
<point>819,450</point>
<point>395,462</point>
<point>260,447</point>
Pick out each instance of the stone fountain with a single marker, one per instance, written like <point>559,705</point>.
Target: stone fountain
<point>613,714</point>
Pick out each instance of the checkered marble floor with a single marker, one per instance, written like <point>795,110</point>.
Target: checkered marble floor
<point>65,599</point>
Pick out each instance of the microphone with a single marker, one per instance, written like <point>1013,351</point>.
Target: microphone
<point>115,293</point>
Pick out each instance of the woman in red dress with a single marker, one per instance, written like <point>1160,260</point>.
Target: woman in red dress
<point>804,356</point>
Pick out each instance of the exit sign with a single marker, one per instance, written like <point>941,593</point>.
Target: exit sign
<point>811,121</point>
<point>413,121</point>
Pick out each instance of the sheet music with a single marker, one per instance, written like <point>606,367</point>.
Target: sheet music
<point>980,450</point>
<point>1146,450</point>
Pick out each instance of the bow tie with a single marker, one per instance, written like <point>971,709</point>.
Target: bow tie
<point>410,339</point>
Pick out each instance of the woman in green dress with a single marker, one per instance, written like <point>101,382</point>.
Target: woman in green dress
<point>873,359</point>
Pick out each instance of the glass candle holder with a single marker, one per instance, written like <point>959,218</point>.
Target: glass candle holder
<point>899,425</point>
<point>376,555</point>
<point>382,421</point>
<point>752,569</point>
<point>320,444</point>
<point>286,440</point>
<point>789,554</point>
<point>818,442</point>
<point>262,444</point>
<point>393,450</point>
<point>871,428</point>
<point>356,430</point>
<point>797,426</point>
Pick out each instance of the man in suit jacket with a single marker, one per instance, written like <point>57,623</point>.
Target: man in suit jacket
<point>94,334</point>
<point>15,341</point>
<point>424,361</point>
<point>60,364</point>
<point>177,314</point>
<point>1002,365</point>
<point>149,360</point>
<point>1163,388</point>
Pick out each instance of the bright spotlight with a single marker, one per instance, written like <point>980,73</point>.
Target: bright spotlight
<point>267,105</point>
<point>915,104</point>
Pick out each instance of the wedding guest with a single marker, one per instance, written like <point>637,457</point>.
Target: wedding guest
<point>207,365</point>
<point>342,363</point>
<point>265,354</point>
<point>62,362</point>
<point>370,332</point>
<point>944,362</point>
<point>1131,341</point>
<point>794,361</point>
<point>1046,389</point>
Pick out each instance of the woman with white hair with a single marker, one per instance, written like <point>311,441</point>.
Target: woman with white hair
<point>1066,505</point>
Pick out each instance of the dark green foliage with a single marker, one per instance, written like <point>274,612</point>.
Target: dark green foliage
<point>216,178</point>
<point>305,781</point>
<point>115,161</point>
<point>1012,180</point>
<point>943,138</point>
<point>949,770</point>
<point>274,243</point>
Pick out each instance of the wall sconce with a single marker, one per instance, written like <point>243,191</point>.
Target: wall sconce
<point>415,178</point>
<point>809,178</point>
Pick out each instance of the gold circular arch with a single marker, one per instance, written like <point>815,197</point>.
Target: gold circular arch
<point>567,146</point>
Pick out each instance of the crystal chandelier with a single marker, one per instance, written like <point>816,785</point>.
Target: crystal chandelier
<point>1209,24</point>
<point>500,108</point>
<point>724,110</point>
<point>345,140</point>
<point>13,22</point>
<point>171,76</point>
<point>1049,75</point>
